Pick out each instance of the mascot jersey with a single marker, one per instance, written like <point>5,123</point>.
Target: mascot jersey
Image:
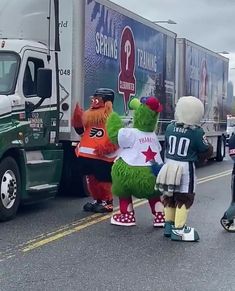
<point>92,137</point>
<point>145,144</point>
<point>183,144</point>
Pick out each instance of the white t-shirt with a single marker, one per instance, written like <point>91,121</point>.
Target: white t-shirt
<point>138,148</point>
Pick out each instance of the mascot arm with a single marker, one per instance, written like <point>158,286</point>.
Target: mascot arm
<point>204,148</point>
<point>126,138</point>
<point>113,125</point>
<point>203,156</point>
<point>108,148</point>
<point>155,168</point>
<point>77,120</point>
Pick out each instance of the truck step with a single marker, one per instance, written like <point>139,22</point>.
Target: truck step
<point>35,158</point>
<point>36,162</point>
<point>43,187</point>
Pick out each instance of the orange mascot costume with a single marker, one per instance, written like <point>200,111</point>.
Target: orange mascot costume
<point>95,152</point>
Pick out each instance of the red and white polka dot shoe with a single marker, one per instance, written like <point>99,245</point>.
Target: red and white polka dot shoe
<point>159,219</point>
<point>127,219</point>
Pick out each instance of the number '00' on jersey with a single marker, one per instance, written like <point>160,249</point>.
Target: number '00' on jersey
<point>183,144</point>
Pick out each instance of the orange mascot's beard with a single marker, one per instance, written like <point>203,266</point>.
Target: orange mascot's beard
<point>97,116</point>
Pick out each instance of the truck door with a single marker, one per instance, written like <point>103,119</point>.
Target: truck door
<point>40,119</point>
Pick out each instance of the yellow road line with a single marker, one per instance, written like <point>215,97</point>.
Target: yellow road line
<point>69,231</point>
<point>63,231</point>
<point>80,224</point>
<point>61,234</point>
<point>213,178</point>
<point>218,175</point>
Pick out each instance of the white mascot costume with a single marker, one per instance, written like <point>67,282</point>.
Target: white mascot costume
<point>185,144</point>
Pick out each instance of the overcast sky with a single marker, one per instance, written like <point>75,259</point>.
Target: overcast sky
<point>210,23</point>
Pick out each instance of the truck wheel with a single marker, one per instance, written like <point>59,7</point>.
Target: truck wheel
<point>10,184</point>
<point>220,149</point>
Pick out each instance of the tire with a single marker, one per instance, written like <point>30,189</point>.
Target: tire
<point>221,147</point>
<point>10,186</point>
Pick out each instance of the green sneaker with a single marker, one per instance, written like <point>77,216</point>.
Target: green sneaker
<point>185,233</point>
<point>167,228</point>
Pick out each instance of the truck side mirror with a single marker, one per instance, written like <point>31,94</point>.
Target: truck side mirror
<point>44,83</point>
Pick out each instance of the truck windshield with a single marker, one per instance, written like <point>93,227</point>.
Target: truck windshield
<point>9,64</point>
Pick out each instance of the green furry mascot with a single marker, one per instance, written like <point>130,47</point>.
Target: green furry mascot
<point>139,148</point>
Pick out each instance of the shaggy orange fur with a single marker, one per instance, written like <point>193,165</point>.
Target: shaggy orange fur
<point>105,150</point>
<point>77,117</point>
<point>97,116</point>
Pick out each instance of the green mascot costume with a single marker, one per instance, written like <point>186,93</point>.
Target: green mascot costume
<point>138,149</point>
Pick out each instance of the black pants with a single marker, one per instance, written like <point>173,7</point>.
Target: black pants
<point>101,170</point>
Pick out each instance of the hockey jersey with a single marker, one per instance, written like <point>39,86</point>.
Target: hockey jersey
<point>94,136</point>
<point>184,144</point>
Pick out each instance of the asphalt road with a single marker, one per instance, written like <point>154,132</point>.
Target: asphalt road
<point>56,246</point>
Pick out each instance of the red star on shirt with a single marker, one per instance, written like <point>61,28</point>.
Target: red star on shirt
<point>149,154</point>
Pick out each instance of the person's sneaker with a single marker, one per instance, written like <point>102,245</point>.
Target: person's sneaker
<point>227,224</point>
<point>104,207</point>
<point>90,206</point>
<point>167,228</point>
<point>185,233</point>
<point>127,219</point>
<point>159,219</point>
